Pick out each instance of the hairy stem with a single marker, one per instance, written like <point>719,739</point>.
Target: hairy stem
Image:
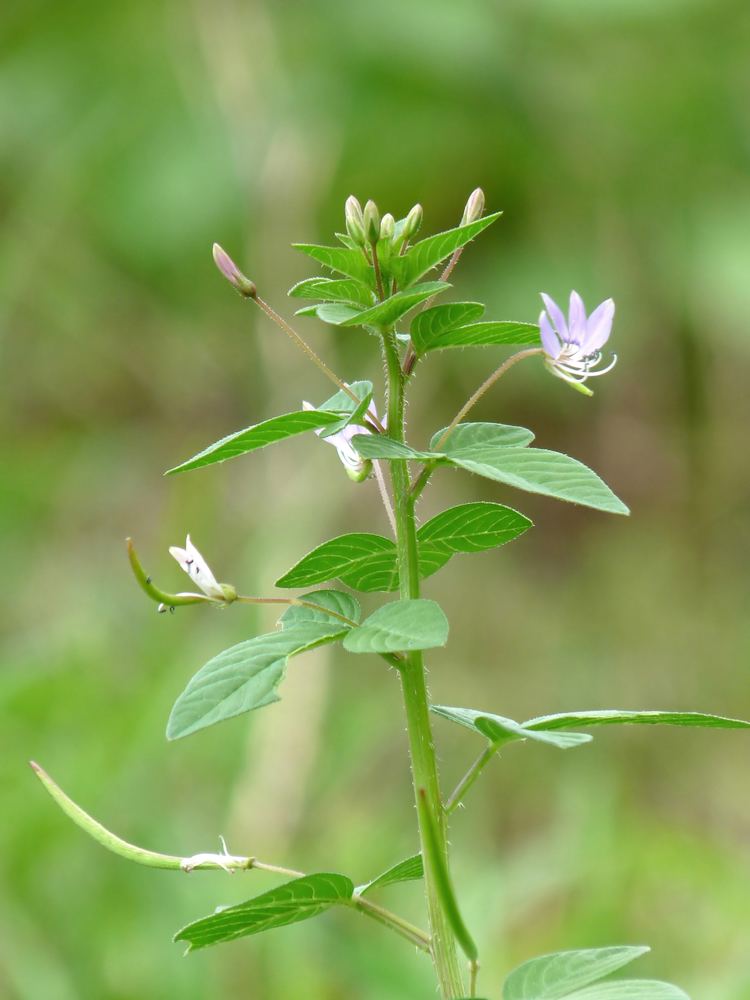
<point>306,349</point>
<point>382,487</point>
<point>483,388</point>
<point>414,685</point>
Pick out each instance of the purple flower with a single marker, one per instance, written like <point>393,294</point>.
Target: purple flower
<point>574,348</point>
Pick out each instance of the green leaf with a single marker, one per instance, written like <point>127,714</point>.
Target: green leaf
<point>474,527</point>
<point>333,290</point>
<point>555,977</point>
<point>361,560</point>
<point>369,563</point>
<point>497,729</point>
<point>245,677</point>
<point>356,556</point>
<point>386,313</point>
<point>335,601</point>
<point>258,436</point>
<point>342,402</point>
<point>428,253</point>
<point>487,334</point>
<point>286,904</point>
<point>382,446</point>
<point>400,627</point>
<point>409,870</point>
<point>630,989</point>
<point>475,441</point>
<point>613,717</point>
<point>434,322</point>
<point>334,313</point>
<point>539,471</point>
<point>352,263</point>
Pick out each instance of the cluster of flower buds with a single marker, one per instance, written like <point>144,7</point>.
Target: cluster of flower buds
<point>367,228</point>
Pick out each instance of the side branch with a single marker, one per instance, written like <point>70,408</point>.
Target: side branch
<point>210,862</point>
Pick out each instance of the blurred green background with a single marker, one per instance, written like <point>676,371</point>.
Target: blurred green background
<point>615,135</point>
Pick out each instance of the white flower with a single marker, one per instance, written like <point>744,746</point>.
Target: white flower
<point>229,862</point>
<point>198,570</point>
<point>574,348</point>
<point>357,468</point>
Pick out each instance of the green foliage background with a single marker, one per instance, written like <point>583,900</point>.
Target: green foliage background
<point>615,136</point>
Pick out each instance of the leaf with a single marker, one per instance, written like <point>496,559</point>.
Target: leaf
<point>245,677</point>
<point>386,313</point>
<point>497,729</point>
<point>333,290</point>
<point>352,263</point>
<point>474,527</point>
<point>630,989</point>
<point>363,561</point>
<point>555,977</point>
<point>428,253</point>
<point>539,471</point>
<point>286,904</point>
<point>438,320</point>
<point>400,627</point>
<point>409,870</point>
<point>474,441</point>
<point>335,600</point>
<point>487,334</point>
<point>382,446</point>
<point>369,563</point>
<point>611,717</point>
<point>342,402</point>
<point>355,555</point>
<point>334,313</point>
<point>258,436</point>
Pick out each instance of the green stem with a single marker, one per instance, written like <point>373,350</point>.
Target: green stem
<point>407,930</point>
<point>414,684</point>
<point>469,778</point>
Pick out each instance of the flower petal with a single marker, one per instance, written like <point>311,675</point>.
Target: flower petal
<point>599,326</point>
<point>577,319</point>
<point>550,340</point>
<point>193,563</point>
<point>556,315</point>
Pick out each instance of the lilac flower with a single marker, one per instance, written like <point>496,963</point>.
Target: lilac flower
<point>357,468</point>
<point>574,348</point>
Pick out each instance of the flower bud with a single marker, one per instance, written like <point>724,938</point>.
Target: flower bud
<point>232,273</point>
<point>474,207</point>
<point>413,222</point>
<point>354,220</point>
<point>387,227</point>
<point>371,219</point>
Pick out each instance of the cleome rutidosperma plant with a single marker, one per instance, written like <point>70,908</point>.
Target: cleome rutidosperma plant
<point>384,283</point>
